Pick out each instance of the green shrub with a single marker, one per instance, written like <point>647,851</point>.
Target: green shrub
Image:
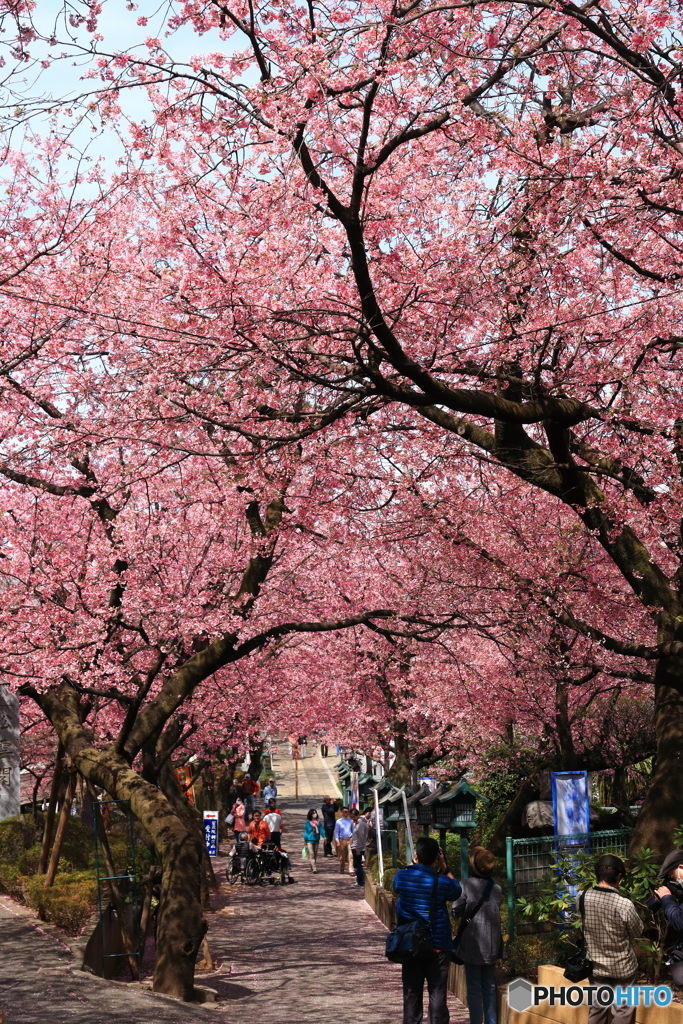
<point>78,846</point>
<point>13,840</point>
<point>12,882</point>
<point>119,847</point>
<point>526,952</point>
<point>29,862</point>
<point>20,844</point>
<point>68,912</point>
<point>68,903</point>
<point>388,879</point>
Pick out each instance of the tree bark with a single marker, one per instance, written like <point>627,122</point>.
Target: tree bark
<point>662,810</point>
<point>146,911</point>
<point>180,924</point>
<point>170,787</point>
<point>255,759</point>
<point>61,830</point>
<point>50,816</point>
<point>400,770</point>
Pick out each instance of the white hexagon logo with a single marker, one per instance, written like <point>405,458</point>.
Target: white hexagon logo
<point>520,993</point>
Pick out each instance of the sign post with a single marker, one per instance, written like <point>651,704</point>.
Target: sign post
<point>10,789</point>
<point>296,754</point>
<point>378,833</point>
<point>571,815</point>
<point>410,852</point>
<point>571,809</point>
<point>211,832</point>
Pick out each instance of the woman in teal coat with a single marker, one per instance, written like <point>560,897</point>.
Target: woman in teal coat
<point>313,833</point>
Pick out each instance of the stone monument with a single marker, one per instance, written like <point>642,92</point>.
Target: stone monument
<point>10,789</point>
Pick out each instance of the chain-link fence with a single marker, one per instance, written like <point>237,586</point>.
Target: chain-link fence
<point>531,861</point>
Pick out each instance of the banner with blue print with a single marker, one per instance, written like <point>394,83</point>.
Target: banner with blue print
<point>571,812</point>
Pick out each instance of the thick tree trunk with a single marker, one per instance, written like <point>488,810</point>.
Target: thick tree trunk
<point>170,787</point>
<point>255,758</point>
<point>662,810</point>
<point>400,770</point>
<point>180,924</point>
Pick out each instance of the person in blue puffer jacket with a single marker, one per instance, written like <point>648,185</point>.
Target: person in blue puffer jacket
<point>414,886</point>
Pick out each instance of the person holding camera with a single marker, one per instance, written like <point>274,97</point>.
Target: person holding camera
<point>669,899</point>
<point>427,880</point>
<point>611,923</point>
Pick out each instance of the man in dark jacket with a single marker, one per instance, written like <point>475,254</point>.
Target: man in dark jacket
<point>414,886</point>
<point>669,898</point>
<point>329,821</point>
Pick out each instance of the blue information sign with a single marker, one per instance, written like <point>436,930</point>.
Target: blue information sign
<point>211,832</point>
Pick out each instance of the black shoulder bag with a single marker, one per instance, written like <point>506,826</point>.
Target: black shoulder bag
<point>579,966</point>
<point>412,941</point>
<point>468,918</point>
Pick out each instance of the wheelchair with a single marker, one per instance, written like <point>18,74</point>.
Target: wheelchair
<point>256,865</point>
<point>244,866</point>
<point>275,866</point>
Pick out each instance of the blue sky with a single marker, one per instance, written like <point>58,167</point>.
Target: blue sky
<point>63,79</point>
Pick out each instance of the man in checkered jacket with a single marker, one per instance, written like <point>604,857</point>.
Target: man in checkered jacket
<point>611,922</point>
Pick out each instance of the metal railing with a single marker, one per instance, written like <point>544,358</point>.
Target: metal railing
<point>129,880</point>
<point>530,861</point>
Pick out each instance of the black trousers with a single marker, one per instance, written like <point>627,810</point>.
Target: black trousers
<point>435,972</point>
<point>358,867</point>
<point>329,834</point>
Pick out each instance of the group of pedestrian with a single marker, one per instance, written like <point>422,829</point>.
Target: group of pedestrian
<point>611,923</point>
<point>609,920</point>
<point>297,745</point>
<point>244,816</point>
<point>348,837</point>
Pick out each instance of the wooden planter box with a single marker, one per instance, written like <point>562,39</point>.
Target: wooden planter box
<point>382,902</point>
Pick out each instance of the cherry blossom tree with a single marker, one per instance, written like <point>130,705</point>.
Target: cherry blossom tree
<point>132,574</point>
<point>459,225</point>
<point>465,221</point>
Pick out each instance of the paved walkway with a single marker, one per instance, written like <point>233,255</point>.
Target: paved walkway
<point>317,775</point>
<point>308,953</point>
<point>38,987</point>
